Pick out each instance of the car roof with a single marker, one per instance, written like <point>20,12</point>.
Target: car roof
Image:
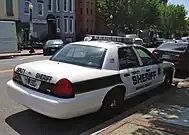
<point>104,44</point>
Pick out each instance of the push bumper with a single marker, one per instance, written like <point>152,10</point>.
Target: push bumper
<point>51,106</point>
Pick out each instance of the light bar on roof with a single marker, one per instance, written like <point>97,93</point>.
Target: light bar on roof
<point>109,38</point>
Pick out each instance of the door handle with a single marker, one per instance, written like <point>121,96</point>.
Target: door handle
<point>125,75</point>
<point>147,70</point>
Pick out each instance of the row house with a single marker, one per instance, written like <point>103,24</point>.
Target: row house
<point>85,18</point>
<point>46,14</point>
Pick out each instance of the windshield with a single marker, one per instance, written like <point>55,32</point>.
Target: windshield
<point>173,46</point>
<point>82,55</point>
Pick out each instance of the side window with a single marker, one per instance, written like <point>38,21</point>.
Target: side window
<point>146,57</point>
<point>127,58</point>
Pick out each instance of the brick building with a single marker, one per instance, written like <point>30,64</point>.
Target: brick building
<point>85,18</point>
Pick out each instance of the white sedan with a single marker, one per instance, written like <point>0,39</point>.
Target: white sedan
<point>84,77</point>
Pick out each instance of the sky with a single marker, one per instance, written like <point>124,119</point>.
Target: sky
<point>183,2</point>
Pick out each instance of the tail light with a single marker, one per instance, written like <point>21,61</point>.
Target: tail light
<point>63,88</point>
<point>179,57</point>
<point>154,52</point>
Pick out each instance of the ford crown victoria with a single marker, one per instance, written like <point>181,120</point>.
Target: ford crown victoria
<point>87,76</point>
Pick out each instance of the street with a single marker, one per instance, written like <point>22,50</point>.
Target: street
<point>16,119</point>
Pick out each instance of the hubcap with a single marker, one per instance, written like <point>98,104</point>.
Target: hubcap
<point>113,104</point>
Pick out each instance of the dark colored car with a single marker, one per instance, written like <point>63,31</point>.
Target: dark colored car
<point>175,52</point>
<point>52,46</point>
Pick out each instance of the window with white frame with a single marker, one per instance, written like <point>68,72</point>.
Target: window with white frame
<point>50,6</point>
<point>66,25</point>
<point>65,5</point>
<point>57,5</point>
<point>26,7</point>
<point>71,5</point>
<point>40,8</point>
<point>58,23</point>
<point>71,25</point>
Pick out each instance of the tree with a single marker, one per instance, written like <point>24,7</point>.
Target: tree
<point>187,26</point>
<point>113,12</point>
<point>172,18</point>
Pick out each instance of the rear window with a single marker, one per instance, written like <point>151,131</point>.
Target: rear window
<point>82,55</point>
<point>173,46</point>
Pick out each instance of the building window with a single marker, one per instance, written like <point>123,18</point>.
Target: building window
<point>81,10</point>
<point>71,5</point>
<point>81,25</point>
<point>50,6</point>
<point>66,25</point>
<point>57,5</point>
<point>71,25</point>
<point>58,22</point>
<point>92,26</point>
<point>40,8</point>
<point>9,8</point>
<point>26,7</point>
<point>87,29</point>
<point>66,5</point>
<point>87,8</point>
<point>91,8</point>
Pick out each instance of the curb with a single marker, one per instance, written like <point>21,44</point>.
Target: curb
<point>14,55</point>
<point>119,120</point>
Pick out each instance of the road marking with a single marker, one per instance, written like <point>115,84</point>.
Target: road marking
<point>6,70</point>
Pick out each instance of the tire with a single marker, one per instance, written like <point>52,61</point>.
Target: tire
<point>112,104</point>
<point>168,80</point>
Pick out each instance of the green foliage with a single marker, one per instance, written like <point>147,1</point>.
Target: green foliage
<point>141,14</point>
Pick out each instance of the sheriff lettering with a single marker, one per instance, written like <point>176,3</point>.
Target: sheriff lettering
<point>140,78</point>
<point>43,77</point>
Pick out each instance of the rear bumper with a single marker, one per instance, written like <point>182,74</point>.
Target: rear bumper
<point>181,66</point>
<point>52,106</point>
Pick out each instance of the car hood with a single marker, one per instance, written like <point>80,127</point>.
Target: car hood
<point>59,70</point>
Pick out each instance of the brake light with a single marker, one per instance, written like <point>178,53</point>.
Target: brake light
<point>179,57</point>
<point>154,52</point>
<point>63,88</point>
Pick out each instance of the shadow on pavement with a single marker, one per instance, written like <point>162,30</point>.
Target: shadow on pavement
<point>30,123</point>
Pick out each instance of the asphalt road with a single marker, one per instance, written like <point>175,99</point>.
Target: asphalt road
<point>16,119</point>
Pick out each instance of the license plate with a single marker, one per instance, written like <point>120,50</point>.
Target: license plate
<point>31,82</point>
<point>166,56</point>
<point>53,49</point>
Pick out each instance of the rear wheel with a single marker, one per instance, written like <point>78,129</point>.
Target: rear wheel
<point>112,104</point>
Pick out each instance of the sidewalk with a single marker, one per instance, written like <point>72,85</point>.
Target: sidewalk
<point>22,53</point>
<point>169,115</point>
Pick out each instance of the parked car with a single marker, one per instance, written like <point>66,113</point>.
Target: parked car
<point>52,46</point>
<point>175,52</point>
<point>86,77</point>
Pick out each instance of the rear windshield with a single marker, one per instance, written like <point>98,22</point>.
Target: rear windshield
<point>173,46</point>
<point>82,55</point>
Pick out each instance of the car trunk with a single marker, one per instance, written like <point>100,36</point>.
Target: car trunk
<point>172,56</point>
<point>42,76</point>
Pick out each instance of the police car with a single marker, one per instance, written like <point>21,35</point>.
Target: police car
<point>88,76</point>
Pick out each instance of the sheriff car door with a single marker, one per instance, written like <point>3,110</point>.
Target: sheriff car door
<point>150,68</point>
<point>129,67</point>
